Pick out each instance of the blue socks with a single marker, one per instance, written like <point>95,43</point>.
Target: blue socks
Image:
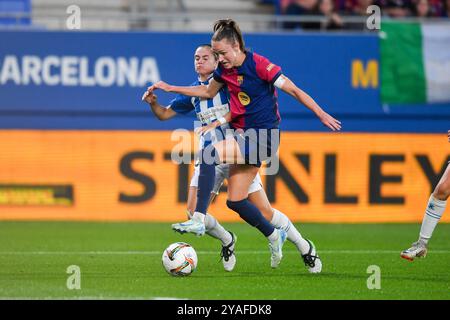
<point>205,184</point>
<point>250,214</point>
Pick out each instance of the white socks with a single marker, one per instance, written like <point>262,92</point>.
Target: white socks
<point>198,216</point>
<point>274,236</point>
<point>434,211</point>
<point>281,221</point>
<point>215,230</point>
<point>213,227</point>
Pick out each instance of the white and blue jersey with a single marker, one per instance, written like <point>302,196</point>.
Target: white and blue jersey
<point>207,110</point>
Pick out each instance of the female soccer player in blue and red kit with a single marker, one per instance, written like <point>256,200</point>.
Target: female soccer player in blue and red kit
<point>251,80</point>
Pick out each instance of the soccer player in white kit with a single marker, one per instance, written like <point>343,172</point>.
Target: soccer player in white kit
<point>435,208</point>
<point>256,194</point>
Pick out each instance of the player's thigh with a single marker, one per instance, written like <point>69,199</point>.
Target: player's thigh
<point>259,199</point>
<point>228,151</point>
<point>241,177</point>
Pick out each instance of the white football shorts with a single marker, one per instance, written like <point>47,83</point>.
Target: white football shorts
<point>222,173</point>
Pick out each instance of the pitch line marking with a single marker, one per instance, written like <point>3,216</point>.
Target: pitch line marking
<point>91,298</point>
<point>212,252</point>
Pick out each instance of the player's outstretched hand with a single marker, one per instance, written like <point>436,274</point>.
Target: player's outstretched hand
<point>149,96</point>
<point>161,85</point>
<point>330,122</point>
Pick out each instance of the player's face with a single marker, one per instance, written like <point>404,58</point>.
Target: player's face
<point>204,61</point>
<point>227,52</point>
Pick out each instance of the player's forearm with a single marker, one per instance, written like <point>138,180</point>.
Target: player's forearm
<point>290,88</point>
<point>309,102</point>
<point>162,113</point>
<point>194,91</point>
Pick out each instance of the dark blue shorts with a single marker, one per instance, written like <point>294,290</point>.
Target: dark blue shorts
<point>258,145</point>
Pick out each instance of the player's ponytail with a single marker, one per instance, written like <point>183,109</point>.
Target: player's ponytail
<point>228,29</point>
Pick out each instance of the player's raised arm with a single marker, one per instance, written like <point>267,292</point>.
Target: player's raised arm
<point>161,112</point>
<point>206,92</point>
<point>285,84</point>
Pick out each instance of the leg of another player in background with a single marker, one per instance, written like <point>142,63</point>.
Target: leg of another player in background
<point>435,207</point>
<point>433,213</point>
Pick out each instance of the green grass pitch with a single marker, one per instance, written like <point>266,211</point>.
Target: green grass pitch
<point>123,261</point>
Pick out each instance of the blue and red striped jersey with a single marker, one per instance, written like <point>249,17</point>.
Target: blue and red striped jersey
<point>253,96</point>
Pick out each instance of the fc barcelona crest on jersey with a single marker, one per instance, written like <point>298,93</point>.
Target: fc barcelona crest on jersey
<point>240,80</point>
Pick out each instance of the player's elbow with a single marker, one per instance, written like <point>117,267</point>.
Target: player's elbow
<point>163,116</point>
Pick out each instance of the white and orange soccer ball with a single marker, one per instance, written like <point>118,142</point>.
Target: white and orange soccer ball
<point>179,259</point>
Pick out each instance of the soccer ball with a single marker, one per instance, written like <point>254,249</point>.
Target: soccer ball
<point>179,259</point>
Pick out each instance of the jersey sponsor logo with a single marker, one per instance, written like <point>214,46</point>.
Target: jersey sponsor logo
<point>270,67</point>
<point>244,98</point>
<point>240,80</point>
<point>216,112</point>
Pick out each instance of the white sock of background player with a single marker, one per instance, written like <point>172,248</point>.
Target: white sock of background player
<point>281,221</point>
<point>215,229</point>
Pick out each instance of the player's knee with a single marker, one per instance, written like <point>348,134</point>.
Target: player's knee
<point>234,205</point>
<point>237,206</point>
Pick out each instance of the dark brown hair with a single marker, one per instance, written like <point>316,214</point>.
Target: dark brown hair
<point>207,45</point>
<point>228,29</point>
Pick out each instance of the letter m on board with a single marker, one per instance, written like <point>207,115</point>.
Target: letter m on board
<point>364,76</point>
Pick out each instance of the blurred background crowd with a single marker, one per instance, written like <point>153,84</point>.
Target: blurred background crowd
<point>334,10</point>
<point>196,15</point>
